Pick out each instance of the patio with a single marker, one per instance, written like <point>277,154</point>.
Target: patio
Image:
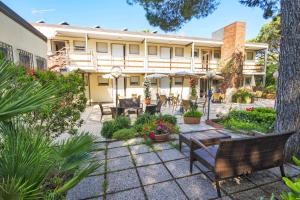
<point>134,170</point>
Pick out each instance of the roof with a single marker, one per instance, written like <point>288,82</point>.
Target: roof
<point>18,19</point>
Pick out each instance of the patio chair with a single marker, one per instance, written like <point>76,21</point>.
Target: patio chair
<point>158,106</point>
<point>202,103</point>
<point>175,102</point>
<point>229,158</point>
<point>151,109</point>
<point>104,111</point>
<point>186,105</point>
<point>114,112</point>
<point>216,98</point>
<point>163,99</point>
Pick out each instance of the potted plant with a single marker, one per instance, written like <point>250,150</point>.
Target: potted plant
<point>159,131</point>
<point>192,117</point>
<point>193,83</point>
<point>147,93</point>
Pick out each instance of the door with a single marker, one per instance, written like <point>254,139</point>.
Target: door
<point>165,52</point>
<point>205,59</point>
<point>118,54</point>
<point>58,45</point>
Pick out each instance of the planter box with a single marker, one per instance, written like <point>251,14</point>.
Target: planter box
<point>161,138</point>
<point>191,120</point>
<point>147,101</point>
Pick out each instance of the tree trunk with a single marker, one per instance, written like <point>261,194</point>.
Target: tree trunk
<point>288,91</point>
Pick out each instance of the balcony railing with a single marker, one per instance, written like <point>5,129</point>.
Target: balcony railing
<point>100,62</point>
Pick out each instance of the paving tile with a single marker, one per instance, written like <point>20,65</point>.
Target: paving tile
<point>162,146</point>
<point>202,167</point>
<point>117,152</point>
<point>253,194</point>
<point>135,141</point>
<point>98,155</point>
<point>116,144</point>
<point>236,184</point>
<point>166,190</point>
<point>146,159</point>
<point>153,174</point>
<point>119,163</point>
<point>171,154</point>
<point>263,177</point>
<point>100,170</point>
<point>133,194</point>
<point>198,187</point>
<point>224,198</point>
<point>181,168</point>
<point>88,187</point>
<point>99,145</point>
<point>97,198</point>
<point>138,149</point>
<point>275,188</point>
<point>289,171</point>
<point>122,180</point>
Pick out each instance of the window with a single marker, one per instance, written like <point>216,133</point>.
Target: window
<point>6,51</point>
<point>250,55</point>
<point>101,47</point>
<point>217,54</point>
<point>154,81</point>
<point>178,81</point>
<point>25,58</point>
<point>152,50</point>
<point>196,53</point>
<point>103,81</point>
<point>179,51</point>
<point>41,63</point>
<point>86,79</point>
<point>134,49</point>
<point>134,80</point>
<point>79,46</point>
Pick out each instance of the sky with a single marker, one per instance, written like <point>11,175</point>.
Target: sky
<point>117,14</point>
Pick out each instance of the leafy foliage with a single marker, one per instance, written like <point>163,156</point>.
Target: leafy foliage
<point>124,134</point>
<point>167,118</point>
<point>242,96</point>
<point>109,127</point>
<point>171,15</point>
<point>193,113</point>
<point>147,85</point>
<point>257,119</point>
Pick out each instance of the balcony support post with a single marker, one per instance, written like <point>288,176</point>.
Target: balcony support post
<point>265,67</point>
<point>193,57</point>
<point>146,54</point>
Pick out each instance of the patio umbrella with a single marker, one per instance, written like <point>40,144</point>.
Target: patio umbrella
<point>184,74</point>
<point>156,76</point>
<point>252,84</point>
<point>216,77</point>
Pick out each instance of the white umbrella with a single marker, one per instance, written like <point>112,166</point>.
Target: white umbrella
<point>184,74</point>
<point>252,84</point>
<point>215,77</point>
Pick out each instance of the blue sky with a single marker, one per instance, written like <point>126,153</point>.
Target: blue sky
<point>117,14</point>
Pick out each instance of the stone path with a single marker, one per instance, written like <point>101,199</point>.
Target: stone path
<point>134,171</point>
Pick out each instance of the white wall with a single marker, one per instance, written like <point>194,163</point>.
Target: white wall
<point>19,37</point>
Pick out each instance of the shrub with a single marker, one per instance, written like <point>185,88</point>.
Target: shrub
<point>168,118</point>
<point>242,96</point>
<point>193,113</point>
<point>109,127</point>
<point>143,119</point>
<point>124,134</point>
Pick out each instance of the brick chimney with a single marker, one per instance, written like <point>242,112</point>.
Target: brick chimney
<point>233,36</point>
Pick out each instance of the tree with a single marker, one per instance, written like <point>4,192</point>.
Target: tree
<point>171,15</point>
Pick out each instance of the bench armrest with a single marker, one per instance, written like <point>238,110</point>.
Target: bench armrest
<point>196,144</point>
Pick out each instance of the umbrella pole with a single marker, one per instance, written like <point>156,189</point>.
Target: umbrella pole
<point>182,87</point>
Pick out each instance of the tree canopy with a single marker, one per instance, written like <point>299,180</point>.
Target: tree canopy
<point>172,15</point>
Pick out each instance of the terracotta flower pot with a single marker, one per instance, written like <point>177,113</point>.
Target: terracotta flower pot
<point>162,137</point>
<point>147,101</point>
<point>191,120</point>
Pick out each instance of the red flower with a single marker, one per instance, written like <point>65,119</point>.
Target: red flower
<point>152,135</point>
<point>249,109</point>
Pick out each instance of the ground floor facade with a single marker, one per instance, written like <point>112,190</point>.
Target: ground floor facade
<point>101,89</point>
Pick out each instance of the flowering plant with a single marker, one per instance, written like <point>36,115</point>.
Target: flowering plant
<point>193,83</point>
<point>157,127</point>
<point>250,109</point>
<point>147,85</point>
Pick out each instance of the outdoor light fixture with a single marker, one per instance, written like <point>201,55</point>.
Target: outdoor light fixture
<point>210,75</point>
<point>116,73</point>
<point>275,75</point>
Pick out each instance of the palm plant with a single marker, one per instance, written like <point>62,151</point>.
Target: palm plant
<point>30,162</point>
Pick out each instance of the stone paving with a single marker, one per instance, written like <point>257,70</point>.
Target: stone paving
<point>132,170</point>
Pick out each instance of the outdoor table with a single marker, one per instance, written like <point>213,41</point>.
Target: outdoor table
<point>151,108</point>
<point>114,113</point>
<point>203,136</point>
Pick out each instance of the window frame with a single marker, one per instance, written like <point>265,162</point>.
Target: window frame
<point>41,59</point>
<point>8,54</point>
<point>98,51</point>
<point>101,82</point>
<point>130,50</point>
<point>176,82</point>
<point>253,55</point>
<point>217,51</point>
<point>154,81</point>
<point>78,48</point>
<point>156,48</point>
<point>30,58</point>
<point>182,52</point>
<point>133,83</point>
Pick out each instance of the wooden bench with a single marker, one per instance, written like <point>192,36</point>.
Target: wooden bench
<point>229,158</point>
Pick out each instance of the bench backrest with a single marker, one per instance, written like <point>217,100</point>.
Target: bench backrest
<point>245,155</point>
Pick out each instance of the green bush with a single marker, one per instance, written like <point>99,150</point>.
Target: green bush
<point>124,134</point>
<point>168,118</point>
<point>109,127</point>
<point>145,118</point>
<point>258,119</point>
<point>242,96</point>
<point>193,113</point>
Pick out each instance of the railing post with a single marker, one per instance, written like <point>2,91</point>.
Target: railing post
<point>145,54</point>
<point>193,57</point>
